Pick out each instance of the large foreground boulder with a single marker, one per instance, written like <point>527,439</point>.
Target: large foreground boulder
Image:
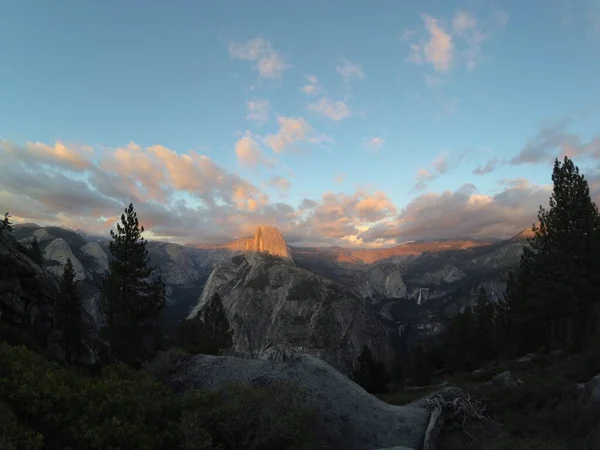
<point>350,417</point>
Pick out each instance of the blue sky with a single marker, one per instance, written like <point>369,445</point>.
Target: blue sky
<point>390,103</point>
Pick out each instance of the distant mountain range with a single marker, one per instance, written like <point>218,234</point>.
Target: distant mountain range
<point>326,301</point>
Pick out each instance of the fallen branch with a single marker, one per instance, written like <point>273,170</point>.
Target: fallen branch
<point>457,413</point>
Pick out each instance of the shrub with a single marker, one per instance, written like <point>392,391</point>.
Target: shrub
<point>14,435</point>
<point>121,408</point>
<point>47,405</point>
<point>164,362</point>
<point>266,418</point>
<point>543,406</point>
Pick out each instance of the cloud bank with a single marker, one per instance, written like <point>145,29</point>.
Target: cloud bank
<point>186,197</point>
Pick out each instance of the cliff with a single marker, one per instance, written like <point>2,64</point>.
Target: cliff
<point>278,310</point>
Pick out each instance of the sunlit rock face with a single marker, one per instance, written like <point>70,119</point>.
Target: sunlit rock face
<point>278,310</point>
<point>265,240</point>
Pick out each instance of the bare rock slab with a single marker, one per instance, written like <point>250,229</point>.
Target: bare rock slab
<point>350,417</point>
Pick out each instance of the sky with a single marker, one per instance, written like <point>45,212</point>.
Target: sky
<point>340,122</point>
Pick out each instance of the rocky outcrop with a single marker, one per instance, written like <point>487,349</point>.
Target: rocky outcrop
<point>590,397</point>
<point>278,310</point>
<point>350,418</point>
<point>266,240</point>
<point>100,258</point>
<point>27,298</point>
<point>59,251</point>
<point>506,379</point>
<point>386,280</point>
<point>177,267</point>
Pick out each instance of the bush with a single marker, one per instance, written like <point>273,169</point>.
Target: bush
<point>121,408</point>
<point>47,405</point>
<point>164,363</point>
<point>266,418</point>
<point>14,335</point>
<point>543,407</point>
<point>14,435</point>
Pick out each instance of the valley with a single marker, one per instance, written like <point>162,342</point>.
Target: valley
<point>283,300</point>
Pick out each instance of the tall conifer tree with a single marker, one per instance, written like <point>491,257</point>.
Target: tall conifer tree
<point>556,290</point>
<point>70,312</point>
<point>131,296</point>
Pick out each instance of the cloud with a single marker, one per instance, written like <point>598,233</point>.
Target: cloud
<point>439,48</point>
<point>164,185</point>
<point>349,71</point>
<point>249,153</point>
<point>440,165</point>
<point>375,143</point>
<point>293,130</point>
<point>188,198</point>
<point>334,110</point>
<point>339,217</point>
<point>555,141</point>
<point>488,167</point>
<point>339,178</point>
<point>463,214</point>
<point>258,110</point>
<point>56,155</point>
<point>280,183</point>
<point>445,46</point>
<point>312,87</point>
<point>269,63</point>
<point>466,25</point>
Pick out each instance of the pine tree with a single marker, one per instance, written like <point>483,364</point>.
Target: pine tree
<point>556,289</point>
<point>483,317</point>
<point>216,327</point>
<point>6,224</point>
<point>36,252</point>
<point>503,341</point>
<point>131,297</point>
<point>70,310</point>
<point>369,373</point>
<point>460,339</point>
<point>419,369</point>
<point>191,336</point>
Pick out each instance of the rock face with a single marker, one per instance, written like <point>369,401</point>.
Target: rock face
<point>100,257</point>
<point>386,280</point>
<point>590,397</point>
<point>59,251</point>
<point>278,310</point>
<point>351,418</point>
<point>27,297</point>
<point>266,240</point>
<point>506,379</point>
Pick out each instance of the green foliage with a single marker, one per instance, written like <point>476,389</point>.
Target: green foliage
<point>6,224</point>
<point>69,311</point>
<point>121,408</point>
<point>165,361</point>
<point>216,326</point>
<point>268,418</point>
<point>47,405</point>
<point>19,335</point>
<point>483,317</point>
<point>543,410</point>
<point>129,297</point>
<point>459,343</point>
<point>370,374</point>
<point>14,435</point>
<point>209,332</point>
<point>555,292</point>
<point>35,252</point>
